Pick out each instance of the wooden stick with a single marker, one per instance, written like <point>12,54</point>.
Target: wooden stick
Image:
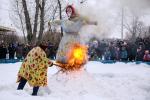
<point>57,64</point>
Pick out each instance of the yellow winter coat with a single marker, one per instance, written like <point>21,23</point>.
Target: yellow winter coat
<point>34,68</point>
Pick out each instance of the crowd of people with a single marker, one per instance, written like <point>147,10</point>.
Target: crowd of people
<point>118,50</point>
<point>115,50</point>
<point>19,51</point>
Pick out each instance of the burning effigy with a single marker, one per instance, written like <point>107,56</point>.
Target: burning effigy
<point>72,54</point>
<point>71,57</point>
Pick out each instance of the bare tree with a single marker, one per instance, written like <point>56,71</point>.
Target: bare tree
<point>21,20</point>
<point>36,20</point>
<point>60,15</point>
<point>82,1</point>
<point>27,17</point>
<point>132,27</point>
<point>17,18</point>
<point>33,19</point>
<point>27,20</point>
<point>41,20</point>
<point>34,14</point>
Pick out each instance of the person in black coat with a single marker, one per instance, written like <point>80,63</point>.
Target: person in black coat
<point>11,50</point>
<point>139,54</point>
<point>3,51</point>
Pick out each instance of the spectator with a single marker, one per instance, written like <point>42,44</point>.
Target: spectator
<point>3,51</point>
<point>146,56</point>
<point>139,54</point>
<point>112,50</point>
<point>19,51</point>
<point>26,49</point>
<point>117,53</point>
<point>123,54</point>
<point>11,50</point>
<point>107,54</point>
<point>131,49</point>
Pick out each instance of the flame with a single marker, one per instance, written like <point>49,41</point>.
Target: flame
<point>76,58</point>
<point>78,53</point>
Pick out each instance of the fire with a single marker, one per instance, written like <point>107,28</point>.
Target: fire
<point>76,58</point>
<point>77,55</point>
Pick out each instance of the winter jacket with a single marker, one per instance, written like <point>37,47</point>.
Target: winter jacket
<point>124,54</point>
<point>34,67</point>
<point>19,52</point>
<point>146,57</point>
<point>3,52</point>
<point>11,50</point>
<point>139,56</point>
<point>107,55</point>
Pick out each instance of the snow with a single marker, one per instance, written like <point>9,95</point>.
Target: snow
<point>98,81</point>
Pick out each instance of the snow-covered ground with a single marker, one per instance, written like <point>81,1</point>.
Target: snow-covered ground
<point>99,81</point>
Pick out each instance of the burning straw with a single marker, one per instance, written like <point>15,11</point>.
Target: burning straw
<point>76,58</point>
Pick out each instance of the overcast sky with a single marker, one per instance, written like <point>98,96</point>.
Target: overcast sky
<point>106,12</point>
<point>4,13</point>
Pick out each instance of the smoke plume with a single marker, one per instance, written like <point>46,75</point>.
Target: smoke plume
<point>108,15</point>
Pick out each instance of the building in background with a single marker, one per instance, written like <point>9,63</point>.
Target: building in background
<point>4,31</point>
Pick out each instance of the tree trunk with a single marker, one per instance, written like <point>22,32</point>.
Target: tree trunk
<point>41,21</point>
<point>21,20</point>
<point>60,15</point>
<point>23,30</point>
<point>35,21</point>
<point>27,20</point>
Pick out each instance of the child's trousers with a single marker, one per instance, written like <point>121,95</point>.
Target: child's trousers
<point>22,83</point>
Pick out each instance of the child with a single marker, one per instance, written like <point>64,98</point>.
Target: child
<point>34,69</point>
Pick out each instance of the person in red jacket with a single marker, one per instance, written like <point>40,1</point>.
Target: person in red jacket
<point>146,56</point>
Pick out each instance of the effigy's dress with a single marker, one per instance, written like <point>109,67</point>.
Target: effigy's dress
<point>71,36</point>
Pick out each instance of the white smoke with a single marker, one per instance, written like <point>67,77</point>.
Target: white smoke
<point>142,4</point>
<point>108,15</point>
<point>100,11</point>
<point>137,7</point>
